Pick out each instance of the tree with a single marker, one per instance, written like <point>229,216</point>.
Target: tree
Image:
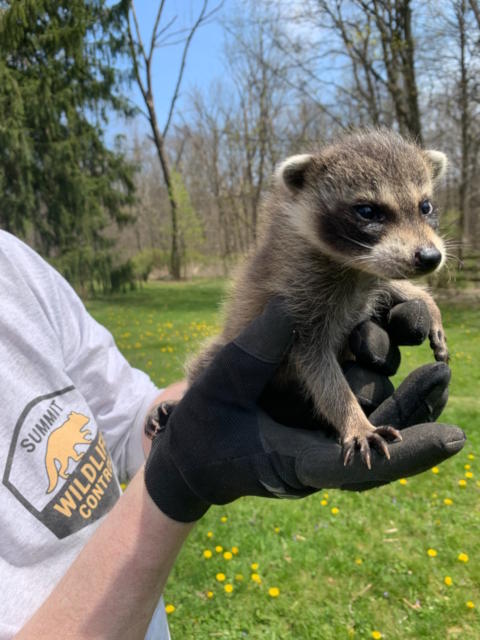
<point>142,59</point>
<point>375,40</point>
<point>60,183</point>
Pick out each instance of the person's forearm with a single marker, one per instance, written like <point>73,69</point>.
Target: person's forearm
<point>112,588</point>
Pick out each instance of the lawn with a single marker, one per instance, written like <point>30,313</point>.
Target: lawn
<point>400,562</point>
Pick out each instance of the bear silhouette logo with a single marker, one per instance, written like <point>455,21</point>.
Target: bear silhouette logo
<point>61,445</point>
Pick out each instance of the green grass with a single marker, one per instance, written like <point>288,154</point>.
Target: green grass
<point>344,575</point>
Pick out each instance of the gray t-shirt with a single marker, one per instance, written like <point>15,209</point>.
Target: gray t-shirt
<point>70,427</point>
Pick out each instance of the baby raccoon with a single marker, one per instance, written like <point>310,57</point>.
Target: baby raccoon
<point>344,229</point>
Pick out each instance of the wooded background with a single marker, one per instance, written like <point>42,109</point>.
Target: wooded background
<point>185,198</point>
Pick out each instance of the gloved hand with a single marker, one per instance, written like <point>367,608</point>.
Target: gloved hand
<point>218,445</point>
<point>374,344</point>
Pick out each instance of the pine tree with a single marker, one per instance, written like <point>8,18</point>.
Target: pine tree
<point>60,184</point>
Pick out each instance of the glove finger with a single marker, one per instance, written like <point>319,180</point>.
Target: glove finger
<point>241,369</point>
<point>421,397</point>
<point>262,346</point>
<point>270,335</point>
<point>408,323</point>
<point>370,387</point>
<point>373,348</point>
<point>422,447</point>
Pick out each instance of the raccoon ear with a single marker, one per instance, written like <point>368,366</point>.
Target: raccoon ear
<point>291,172</point>
<point>438,163</point>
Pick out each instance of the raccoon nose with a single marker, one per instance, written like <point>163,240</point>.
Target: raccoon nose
<point>427,259</point>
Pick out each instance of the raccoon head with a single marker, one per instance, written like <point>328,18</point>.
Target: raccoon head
<point>367,202</point>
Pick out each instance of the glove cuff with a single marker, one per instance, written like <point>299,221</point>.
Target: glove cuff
<point>168,489</point>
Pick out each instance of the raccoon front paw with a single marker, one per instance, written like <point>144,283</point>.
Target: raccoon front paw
<point>157,418</point>
<point>364,441</point>
<point>438,343</point>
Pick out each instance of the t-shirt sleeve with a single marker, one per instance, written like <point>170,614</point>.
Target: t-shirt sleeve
<point>118,394</point>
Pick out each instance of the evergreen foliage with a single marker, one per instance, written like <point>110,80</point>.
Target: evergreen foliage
<point>60,185</point>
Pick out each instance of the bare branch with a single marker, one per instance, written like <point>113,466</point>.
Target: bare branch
<point>154,30</point>
<point>133,52</point>
<point>164,30</point>
<point>476,11</point>
<point>188,41</point>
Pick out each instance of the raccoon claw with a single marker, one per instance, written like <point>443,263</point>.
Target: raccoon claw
<point>438,343</point>
<point>376,439</point>
<point>157,419</point>
<point>348,451</point>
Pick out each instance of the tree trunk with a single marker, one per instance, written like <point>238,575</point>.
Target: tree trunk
<point>408,60</point>
<point>175,258</point>
<point>464,126</point>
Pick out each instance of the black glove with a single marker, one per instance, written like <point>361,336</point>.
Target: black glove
<point>374,344</point>
<point>217,445</point>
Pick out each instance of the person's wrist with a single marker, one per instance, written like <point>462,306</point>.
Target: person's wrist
<point>167,487</point>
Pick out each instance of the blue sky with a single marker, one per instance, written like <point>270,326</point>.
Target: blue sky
<point>204,62</point>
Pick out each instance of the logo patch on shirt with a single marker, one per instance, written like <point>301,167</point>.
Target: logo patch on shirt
<point>58,465</point>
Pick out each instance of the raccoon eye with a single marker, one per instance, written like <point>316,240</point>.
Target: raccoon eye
<point>369,212</point>
<point>426,207</point>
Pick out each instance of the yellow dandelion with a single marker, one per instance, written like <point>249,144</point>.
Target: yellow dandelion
<point>219,548</point>
<point>209,534</point>
<point>325,495</point>
<point>254,566</point>
<point>207,554</point>
<point>376,635</point>
<point>169,608</point>
<point>256,578</point>
<point>335,510</point>
<point>470,604</point>
<point>448,581</point>
<point>401,481</point>
<point>462,483</point>
<point>239,577</point>
<point>228,588</point>
<point>467,467</point>
<point>435,469</point>
<point>448,502</point>
<point>471,456</point>
<point>228,555</point>
<point>235,551</point>
<point>358,561</point>
<point>324,503</point>
<point>468,474</point>
<point>223,519</point>
<point>221,577</point>
<point>274,592</point>
<point>276,529</point>
<point>462,557</point>
<point>209,594</point>
<point>432,553</point>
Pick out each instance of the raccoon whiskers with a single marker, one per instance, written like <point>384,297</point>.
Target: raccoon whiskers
<point>357,242</point>
<point>453,257</point>
<point>354,261</point>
